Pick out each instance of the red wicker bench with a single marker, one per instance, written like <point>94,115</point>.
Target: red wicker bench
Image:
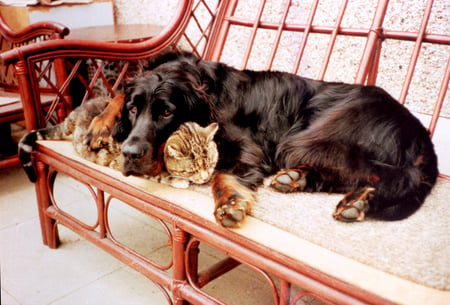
<point>291,237</point>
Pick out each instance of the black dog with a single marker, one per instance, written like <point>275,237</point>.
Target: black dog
<point>318,136</point>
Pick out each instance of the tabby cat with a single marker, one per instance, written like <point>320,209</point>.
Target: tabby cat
<point>190,153</point>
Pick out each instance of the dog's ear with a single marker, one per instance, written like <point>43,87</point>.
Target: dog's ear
<point>196,97</point>
<point>122,129</point>
<point>200,87</point>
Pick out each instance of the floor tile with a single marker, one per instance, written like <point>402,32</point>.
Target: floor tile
<point>35,274</point>
<point>122,287</point>
<point>7,299</point>
<point>17,198</point>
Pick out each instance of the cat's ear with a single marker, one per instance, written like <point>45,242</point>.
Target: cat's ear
<point>211,130</point>
<point>172,151</point>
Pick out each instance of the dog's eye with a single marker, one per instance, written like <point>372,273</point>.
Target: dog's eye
<point>133,110</point>
<point>167,113</point>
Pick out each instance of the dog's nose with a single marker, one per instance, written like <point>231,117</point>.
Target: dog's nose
<point>135,150</point>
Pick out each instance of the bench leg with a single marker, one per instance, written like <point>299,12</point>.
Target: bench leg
<point>179,273</point>
<point>285,292</point>
<point>49,229</point>
<point>193,253</point>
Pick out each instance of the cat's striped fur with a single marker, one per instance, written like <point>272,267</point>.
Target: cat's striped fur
<point>191,153</point>
<point>74,127</point>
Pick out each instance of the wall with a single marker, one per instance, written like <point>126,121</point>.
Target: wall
<point>144,11</point>
<point>402,15</point>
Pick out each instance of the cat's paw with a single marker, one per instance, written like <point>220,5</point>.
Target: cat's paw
<point>233,200</point>
<point>290,180</point>
<point>179,183</point>
<point>354,205</point>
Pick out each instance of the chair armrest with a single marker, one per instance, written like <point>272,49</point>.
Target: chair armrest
<point>107,50</point>
<point>35,30</point>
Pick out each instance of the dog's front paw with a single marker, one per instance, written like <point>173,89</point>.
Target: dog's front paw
<point>100,128</point>
<point>354,205</point>
<point>232,212</point>
<point>98,133</point>
<point>233,201</point>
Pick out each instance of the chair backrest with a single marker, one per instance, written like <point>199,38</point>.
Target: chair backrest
<point>34,33</point>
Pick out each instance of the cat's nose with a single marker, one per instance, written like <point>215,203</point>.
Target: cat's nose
<point>135,149</point>
<point>204,175</point>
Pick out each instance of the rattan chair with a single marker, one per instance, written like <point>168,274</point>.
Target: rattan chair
<point>11,109</point>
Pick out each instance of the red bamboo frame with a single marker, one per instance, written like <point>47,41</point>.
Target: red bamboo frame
<point>9,38</point>
<point>185,230</point>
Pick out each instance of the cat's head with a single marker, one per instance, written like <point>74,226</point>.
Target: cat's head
<point>191,153</point>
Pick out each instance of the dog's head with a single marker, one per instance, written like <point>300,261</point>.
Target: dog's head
<point>156,103</point>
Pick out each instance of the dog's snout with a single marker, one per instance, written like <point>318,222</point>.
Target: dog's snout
<point>135,149</point>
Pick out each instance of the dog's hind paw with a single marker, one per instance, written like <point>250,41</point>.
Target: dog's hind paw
<point>290,180</point>
<point>354,205</point>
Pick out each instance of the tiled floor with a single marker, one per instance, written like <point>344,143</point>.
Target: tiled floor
<point>79,273</point>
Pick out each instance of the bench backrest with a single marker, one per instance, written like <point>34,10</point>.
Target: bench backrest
<point>402,46</point>
<point>390,43</point>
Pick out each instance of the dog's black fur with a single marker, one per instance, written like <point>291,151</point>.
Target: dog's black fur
<point>348,136</point>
